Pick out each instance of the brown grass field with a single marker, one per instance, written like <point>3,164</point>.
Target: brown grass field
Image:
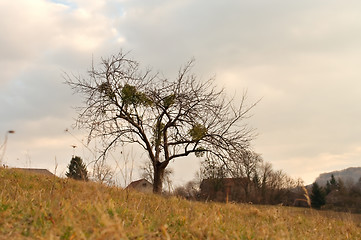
<point>40,207</point>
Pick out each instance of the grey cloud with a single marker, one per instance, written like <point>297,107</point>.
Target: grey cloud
<point>36,94</point>
<point>224,33</point>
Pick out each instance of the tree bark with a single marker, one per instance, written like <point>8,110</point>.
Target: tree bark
<point>158,178</point>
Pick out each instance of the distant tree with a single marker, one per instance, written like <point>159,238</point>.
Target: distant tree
<point>244,164</point>
<point>333,181</point>
<point>317,196</point>
<point>331,185</point>
<point>256,181</point>
<point>77,169</point>
<point>265,172</point>
<point>355,189</point>
<point>103,173</point>
<point>190,191</point>
<point>169,119</point>
<point>328,187</point>
<point>147,172</point>
<point>213,169</point>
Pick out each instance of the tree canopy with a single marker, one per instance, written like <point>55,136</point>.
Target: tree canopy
<point>168,118</point>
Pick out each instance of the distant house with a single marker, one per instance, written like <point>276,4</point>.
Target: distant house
<point>41,171</point>
<point>141,185</point>
<point>224,189</point>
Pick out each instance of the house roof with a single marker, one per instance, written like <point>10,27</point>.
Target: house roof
<point>37,171</point>
<point>134,184</point>
<point>225,181</point>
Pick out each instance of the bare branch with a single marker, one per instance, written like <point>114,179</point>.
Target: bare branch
<point>168,118</point>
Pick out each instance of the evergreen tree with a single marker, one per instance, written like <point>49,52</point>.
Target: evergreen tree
<point>318,198</point>
<point>328,187</point>
<point>332,185</point>
<point>333,181</point>
<point>77,169</point>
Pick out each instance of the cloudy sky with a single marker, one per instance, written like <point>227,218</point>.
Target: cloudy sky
<point>301,57</point>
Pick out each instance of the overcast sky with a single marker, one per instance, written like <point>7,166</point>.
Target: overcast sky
<point>301,57</point>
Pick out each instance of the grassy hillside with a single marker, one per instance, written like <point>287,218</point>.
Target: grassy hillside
<point>39,207</point>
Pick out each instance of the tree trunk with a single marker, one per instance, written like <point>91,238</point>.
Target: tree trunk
<point>246,191</point>
<point>158,178</point>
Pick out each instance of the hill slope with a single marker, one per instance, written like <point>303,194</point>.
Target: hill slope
<point>40,207</point>
<point>349,175</point>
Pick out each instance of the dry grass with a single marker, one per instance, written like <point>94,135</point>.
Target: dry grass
<point>39,207</point>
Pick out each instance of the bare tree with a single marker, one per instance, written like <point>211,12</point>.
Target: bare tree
<point>103,172</point>
<point>169,119</point>
<point>147,171</point>
<point>245,164</point>
<point>212,168</point>
<point>190,191</point>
